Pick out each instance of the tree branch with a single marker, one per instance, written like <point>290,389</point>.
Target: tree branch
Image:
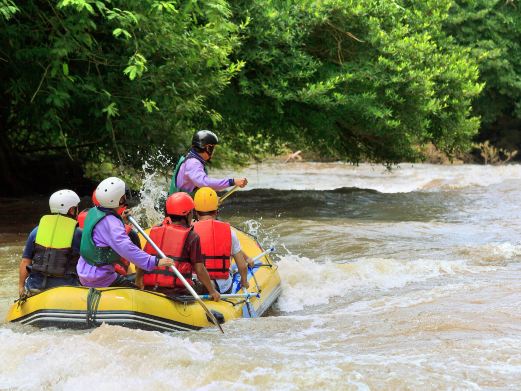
<point>41,82</point>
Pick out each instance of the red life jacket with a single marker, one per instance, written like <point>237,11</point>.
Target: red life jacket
<point>81,217</point>
<point>171,239</point>
<point>216,246</point>
<point>121,266</point>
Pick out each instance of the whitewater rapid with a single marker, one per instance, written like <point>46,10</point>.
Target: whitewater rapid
<point>401,279</point>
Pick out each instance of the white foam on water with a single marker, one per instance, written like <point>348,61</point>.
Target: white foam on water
<point>493,253</point>
<point>108,358</point>
<point>308,283</point>
<point>403,178</point>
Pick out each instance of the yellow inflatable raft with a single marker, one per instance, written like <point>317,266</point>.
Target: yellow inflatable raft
<point>81,307</point>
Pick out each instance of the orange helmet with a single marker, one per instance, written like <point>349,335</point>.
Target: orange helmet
<point>179,204</point>
<point>81,217</point>
<point>94,199</point>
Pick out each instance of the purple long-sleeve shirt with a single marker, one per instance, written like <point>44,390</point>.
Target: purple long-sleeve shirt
<point>191,176</point>
<point>110,232</point>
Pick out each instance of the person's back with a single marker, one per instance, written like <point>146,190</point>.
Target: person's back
<point>122,265</point>
<point>105,240</point>
<point>178,241</point>
<point>218,242</point>
<point>52,248</point>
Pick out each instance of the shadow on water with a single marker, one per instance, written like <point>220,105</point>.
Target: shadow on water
<point>350,203</point>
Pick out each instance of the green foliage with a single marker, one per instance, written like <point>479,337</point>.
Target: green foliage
<point>112,76</point>
<point>111,81</point>
<point>364,79</point>
<point>7,9</point>
<point>492,31</point>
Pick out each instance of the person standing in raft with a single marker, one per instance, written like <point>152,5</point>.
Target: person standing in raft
<point>218,242</point>
<point>190,172</point>
<point>177,239</point>
<point>53,247</point>
<point>104,240</point>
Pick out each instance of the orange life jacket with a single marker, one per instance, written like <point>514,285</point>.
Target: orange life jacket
<point>216,246</point>
<point>171,239</point>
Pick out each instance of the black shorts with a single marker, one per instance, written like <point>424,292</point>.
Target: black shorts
<point>123,282</point>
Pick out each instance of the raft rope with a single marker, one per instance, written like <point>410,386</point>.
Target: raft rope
<point>93,299</point>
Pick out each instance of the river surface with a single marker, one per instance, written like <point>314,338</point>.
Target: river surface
<point>407,279</point>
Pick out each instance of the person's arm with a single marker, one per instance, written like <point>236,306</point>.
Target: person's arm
<point>240,259</point>
<point>196,257</point>
<point>27,260</point>
<point>195,172</point>
<point>118,240</point>
<point>23,274</point>
<point>204,277</point>
<point>242,266</point>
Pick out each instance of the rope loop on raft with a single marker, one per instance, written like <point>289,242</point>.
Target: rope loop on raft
<point>93,299</point>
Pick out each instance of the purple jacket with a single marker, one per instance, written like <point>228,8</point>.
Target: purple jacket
<point>191,175</point>
<point>110,232</point>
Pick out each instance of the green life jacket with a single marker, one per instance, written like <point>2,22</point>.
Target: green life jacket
<point>173,183</point>
<point>53,246</point>
<point>94,255</point>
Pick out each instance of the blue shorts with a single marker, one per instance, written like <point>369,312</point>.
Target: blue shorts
<point>37,282</point>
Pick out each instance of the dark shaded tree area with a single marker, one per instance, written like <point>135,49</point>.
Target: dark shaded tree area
<point>491,29</point>
<point>108,83</point>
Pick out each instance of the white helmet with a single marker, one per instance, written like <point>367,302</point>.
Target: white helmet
<point>62,201</point>
<point>109,192</point>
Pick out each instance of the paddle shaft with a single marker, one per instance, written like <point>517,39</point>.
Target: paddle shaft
<point>233,190</point>
<point>255,260</point>
<point>174,269</point>
<point>258,257</point>
<point>231,296</point>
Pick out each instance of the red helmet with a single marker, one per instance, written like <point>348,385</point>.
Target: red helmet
<point>94,199</point>
<point>81,217</point>
<point>179,204</point>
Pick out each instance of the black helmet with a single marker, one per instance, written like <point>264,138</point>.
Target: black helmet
<point>202,138</point>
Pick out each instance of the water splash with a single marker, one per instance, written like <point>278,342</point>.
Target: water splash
<point>153,192</point>
<point>267,237</point>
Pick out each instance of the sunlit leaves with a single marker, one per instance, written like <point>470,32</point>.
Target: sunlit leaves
<point>7,9</point>
<point>111,110</point>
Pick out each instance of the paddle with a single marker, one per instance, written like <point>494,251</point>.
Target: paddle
<point>258,257</point>
<point>262,254</point>
<point>246,295</point>
<point>233,190</point>
<point>179,275</point>
<point>250,310</point>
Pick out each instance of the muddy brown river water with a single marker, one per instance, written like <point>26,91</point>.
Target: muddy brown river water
<point>406,280</point>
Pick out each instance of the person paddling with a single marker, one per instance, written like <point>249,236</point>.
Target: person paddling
<point>104,240</point>
<point>218,242</point>
<point>190,172</point>
<point>52,249</point>
<point>177,239</point>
